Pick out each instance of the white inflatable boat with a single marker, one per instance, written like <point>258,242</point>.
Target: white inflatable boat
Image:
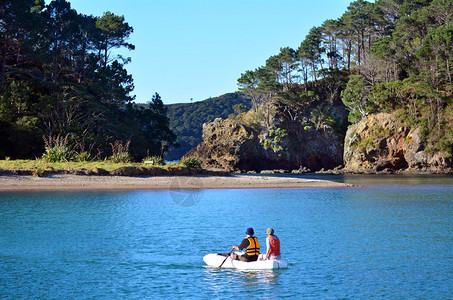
<point>215,260</point>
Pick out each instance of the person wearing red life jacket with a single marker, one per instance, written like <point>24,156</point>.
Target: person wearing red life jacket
<point>250,245</point>
<point>273,245</point>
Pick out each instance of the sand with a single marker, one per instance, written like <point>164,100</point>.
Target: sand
<point>84,182</point>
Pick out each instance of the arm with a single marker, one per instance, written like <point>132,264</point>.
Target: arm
<point>242,245</point>
<point>268,246</point>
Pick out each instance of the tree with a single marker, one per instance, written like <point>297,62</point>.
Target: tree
<point>59,78</point>
<point>331,30</point>
<point>356,97</point>
<point>114,34</point>
<point>312,49</point>
<point>287,59</point>
<point>359,21</point>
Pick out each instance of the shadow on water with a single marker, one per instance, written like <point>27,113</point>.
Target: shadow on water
<point>374,179</point>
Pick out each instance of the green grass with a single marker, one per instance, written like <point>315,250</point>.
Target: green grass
<point>21,164</point>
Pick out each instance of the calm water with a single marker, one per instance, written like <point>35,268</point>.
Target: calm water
<point>386,240</point>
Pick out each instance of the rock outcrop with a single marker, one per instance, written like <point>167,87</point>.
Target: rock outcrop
<point>230,145</point>
<point>379,143</point>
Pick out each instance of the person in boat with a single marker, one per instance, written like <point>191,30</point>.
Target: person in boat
<point>250,245</point>
<point>272,245</point>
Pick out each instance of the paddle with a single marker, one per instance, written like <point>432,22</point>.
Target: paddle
<point>225,259</point>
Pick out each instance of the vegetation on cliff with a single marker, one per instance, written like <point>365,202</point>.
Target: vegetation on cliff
<point>392,56</point>
<point>186,119</point>
<point>60,76</point>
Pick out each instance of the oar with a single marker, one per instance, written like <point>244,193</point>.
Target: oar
<point>225,259</point>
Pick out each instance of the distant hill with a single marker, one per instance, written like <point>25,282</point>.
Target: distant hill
<point>186,119</point>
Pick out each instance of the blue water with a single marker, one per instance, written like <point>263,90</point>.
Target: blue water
<point>383,241</point>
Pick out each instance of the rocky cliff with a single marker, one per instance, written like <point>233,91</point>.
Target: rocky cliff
<point>379,143</point>
<point>233,146</point>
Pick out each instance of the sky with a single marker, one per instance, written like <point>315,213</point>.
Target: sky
<point>191,50</point>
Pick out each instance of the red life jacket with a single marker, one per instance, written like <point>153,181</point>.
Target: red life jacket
<point>275,245</point>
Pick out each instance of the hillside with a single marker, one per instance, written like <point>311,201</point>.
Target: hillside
<point>186,119</point>
<point>384,67</point>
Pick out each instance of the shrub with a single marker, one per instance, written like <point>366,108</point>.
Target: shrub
<point>120,152</point>
<point>38,172</point>
<point>274,139</point>
<point>83,156</point>
<point>191,162</point>
<point>57,149</point>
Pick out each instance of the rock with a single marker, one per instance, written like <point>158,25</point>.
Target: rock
<point>233,146</point>
<point>380,144</point>
<point>281,171</point>
<point>267,172</point>
<point>301,170</point>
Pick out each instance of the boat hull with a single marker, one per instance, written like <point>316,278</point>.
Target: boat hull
<point>215,260</point>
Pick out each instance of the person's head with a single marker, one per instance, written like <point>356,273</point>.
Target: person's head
<point>249,231</point>
<point>270,231</point>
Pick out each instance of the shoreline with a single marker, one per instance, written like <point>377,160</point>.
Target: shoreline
<point>66,182</point>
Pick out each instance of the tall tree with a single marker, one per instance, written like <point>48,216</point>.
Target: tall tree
<point>114,34</point>
<point>312,48</point>
<point>358,19</point>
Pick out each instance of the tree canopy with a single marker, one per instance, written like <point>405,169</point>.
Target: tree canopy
<point>386,56</point>
<point>186,119</point>
<point>60,75</point>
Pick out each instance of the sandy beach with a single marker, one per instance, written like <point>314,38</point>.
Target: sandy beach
<point>84,182</point>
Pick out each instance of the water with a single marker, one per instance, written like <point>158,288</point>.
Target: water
<point>383,240</point>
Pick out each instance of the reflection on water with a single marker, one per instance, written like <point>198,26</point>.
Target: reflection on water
<point>384,241</point>
<point>256,283</point>
<point>373,179</point>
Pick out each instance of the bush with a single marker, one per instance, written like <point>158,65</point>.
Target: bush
<point>83,156</point>
<point>57,149</point>
<point>274,139</point>
<point>191,162</point>
<point>38,172</point>
<point>120,152</point>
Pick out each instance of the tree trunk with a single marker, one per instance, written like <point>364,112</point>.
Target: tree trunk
<point>349,49</point>
<point>105,55</point>
<point>313,67</point>
<point>3,75</point>
<point>448,72</point>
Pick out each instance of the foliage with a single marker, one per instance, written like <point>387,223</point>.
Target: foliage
<point>356,97</point>
<point>191,162</point>
<point>57,149</point>
<point>386,56</point>
<point>274,138</point>
<point>21,164</point>
<point>83,156</point>
<point>120,152</point>
<point>186,119</point>
<point>60,74</point>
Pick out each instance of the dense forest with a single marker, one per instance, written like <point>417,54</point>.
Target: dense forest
<point>186,119</point>
<point>389,56</point>
<point>61,81</point>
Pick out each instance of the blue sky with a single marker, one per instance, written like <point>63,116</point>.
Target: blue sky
<point>199,48</point>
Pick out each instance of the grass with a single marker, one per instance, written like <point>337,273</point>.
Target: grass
<point>21,164</point>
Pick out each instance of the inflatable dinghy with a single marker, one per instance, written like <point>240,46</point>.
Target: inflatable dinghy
<point>215,260</point>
